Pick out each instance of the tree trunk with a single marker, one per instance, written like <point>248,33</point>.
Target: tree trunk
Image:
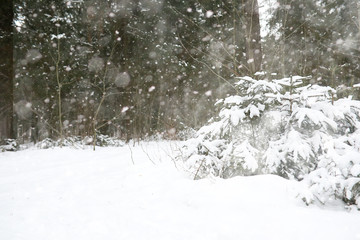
<point>253,38</point>
<point>6,70</point>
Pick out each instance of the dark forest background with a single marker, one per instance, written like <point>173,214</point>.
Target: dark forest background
<point>134,69</point>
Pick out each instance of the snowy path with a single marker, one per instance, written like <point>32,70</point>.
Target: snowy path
<point>73,194</point>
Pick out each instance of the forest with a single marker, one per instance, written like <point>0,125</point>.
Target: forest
<point>136,69</point>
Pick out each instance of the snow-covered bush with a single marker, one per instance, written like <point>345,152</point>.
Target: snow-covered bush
<point>106,141</point>
<point>78,142</point>
<point>9,145</point>
<point>284,127</point>
<point>46,143</point>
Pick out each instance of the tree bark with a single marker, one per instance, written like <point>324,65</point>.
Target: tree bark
<point>6,70</point>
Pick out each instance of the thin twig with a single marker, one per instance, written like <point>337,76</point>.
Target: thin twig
<point>147,154</point>
<point>131,155</point>
<point>196,174</point>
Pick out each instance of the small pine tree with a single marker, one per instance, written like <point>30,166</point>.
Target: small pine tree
<point>283,127</point>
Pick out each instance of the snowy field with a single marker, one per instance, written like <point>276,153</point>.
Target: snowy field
<point>119,193</point>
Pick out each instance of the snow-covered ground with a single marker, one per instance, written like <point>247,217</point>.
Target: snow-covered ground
<point>118,193</point>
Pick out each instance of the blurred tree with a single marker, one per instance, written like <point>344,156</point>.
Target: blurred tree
<point>6,70</point>
<point>253,38</point>
<point>319,38</point>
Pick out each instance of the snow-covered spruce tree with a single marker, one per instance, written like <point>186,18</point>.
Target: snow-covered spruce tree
<point>284,127</point>
<point>320,144</point>
<point>232,143</point>
<point>337,175</point>
<point>296,152</point>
